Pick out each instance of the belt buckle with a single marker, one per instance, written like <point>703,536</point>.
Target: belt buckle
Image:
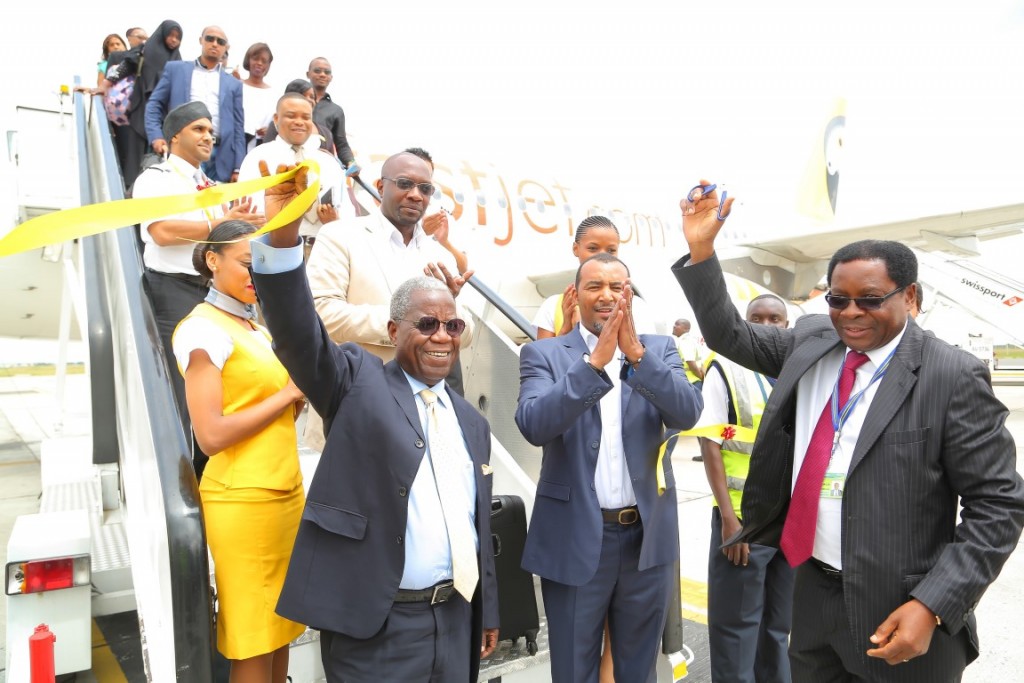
<point>628,516</point>
<point>442,592</point>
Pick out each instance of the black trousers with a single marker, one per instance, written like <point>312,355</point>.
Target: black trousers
<point>822,650</point>
<point>173,297</point>
<point>419,643</point>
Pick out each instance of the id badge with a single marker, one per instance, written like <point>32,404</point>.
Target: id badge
<point>832,486</point>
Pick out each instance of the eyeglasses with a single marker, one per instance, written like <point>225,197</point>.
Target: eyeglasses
<point>318,70</point>
<point>404,184</point>
<point>216,39</point>
<point>428,325</point>
<point>865,303</point>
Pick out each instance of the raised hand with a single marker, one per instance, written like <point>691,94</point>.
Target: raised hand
<point>608,340</point>
<point>628,342</point>
<point>570,313</point>
<point>436,225</point>
<point>243,210</point>
<point>700,221</point>
<point>277,197</point>
<point>455,282</point>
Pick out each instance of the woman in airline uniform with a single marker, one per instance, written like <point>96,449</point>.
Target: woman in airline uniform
<point>243,407</point>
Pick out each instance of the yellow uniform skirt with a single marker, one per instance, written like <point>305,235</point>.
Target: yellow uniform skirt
<point>251,532</point>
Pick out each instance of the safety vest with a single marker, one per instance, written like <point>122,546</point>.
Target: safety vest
<point>748,393</point>
<point>559,318</point>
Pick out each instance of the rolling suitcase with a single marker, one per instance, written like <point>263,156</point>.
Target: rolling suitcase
<point>517,599</point>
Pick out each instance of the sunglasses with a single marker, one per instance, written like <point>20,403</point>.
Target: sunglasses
<point>216,39</point>
<point>865,303</point>
<point>318,70</point>
<point>428,325</point>
<point>404,184</point>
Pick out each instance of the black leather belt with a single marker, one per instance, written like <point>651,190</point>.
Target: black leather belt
<point>623,516</point>
<point>435,595</point>
<point>827,569</point>
<point>184,277</point>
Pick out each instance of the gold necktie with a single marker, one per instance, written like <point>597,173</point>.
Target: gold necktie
<point>454,505</point>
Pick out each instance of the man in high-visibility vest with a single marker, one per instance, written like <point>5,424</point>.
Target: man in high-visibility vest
<point>750,586</point>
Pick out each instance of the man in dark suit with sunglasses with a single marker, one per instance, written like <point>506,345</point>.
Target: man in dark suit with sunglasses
<point>393,560</point>
<point>356,265</point>
<point>873,434</point>
<point>206,81</point>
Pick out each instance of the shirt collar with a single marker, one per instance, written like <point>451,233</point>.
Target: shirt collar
<point>418,386</point>
<point>395,237</point>
<point>182,165</point>
<point>878,356</point>
<point>199,65</point>
<point>590,339</point>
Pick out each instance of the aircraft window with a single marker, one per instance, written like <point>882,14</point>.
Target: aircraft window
<point>521,203</point>
<point>502,202</point>
<point>481,200</point>
<point>540,206</point>
<point>459,198</point>
<point>567,209</point>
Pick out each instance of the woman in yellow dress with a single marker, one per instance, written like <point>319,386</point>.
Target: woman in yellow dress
<point>243,407</point>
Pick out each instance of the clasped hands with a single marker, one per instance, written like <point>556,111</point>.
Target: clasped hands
<point>619,332</point>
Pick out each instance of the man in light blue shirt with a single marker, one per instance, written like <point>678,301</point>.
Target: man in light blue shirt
<point>402,491</point>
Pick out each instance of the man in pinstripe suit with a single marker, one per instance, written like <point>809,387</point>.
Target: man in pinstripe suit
<point>892,579</point>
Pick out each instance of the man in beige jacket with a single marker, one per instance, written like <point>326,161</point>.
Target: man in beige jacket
<point>356,266</point>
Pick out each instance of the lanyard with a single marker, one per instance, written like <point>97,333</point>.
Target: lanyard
<point>839,417</point>
<point>760,385</point>
<point>209,214</point>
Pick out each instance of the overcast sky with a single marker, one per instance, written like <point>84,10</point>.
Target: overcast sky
<point>633,101</point>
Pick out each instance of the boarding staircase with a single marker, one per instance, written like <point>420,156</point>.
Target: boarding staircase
<point>134,478</point>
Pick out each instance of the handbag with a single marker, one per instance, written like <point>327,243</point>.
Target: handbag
<point>115,102</point>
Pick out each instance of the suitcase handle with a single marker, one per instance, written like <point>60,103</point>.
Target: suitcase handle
<point>496,542</point>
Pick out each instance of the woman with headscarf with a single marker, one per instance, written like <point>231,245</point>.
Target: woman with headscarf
<point>145,63</point>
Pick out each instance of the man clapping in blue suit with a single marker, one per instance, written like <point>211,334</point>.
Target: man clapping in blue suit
<point>601,538</point>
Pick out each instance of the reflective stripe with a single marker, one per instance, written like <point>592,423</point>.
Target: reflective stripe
<point>735,483</point>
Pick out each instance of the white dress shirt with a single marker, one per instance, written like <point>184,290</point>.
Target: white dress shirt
<point>206,89</point>
<point>172,177</point>
<point>611,478</point>
<point>813,392</point>
<point>278,152</point>
<point>428,555</point>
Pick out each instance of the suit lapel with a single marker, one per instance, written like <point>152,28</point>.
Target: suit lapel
<point>803,357</point>
<point>399,387</point>
<point>899,380</point>
<point>378,240</point>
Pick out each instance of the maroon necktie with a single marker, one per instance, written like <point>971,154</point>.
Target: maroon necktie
<point>801,521</point>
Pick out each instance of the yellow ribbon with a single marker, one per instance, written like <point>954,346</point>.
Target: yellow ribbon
<point>745,434</point>
<point>662,486</point>
<point>83,221</point>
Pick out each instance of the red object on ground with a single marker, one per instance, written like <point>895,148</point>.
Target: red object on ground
<point>40,655</point>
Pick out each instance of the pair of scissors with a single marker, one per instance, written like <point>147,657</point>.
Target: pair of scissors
<point>699,191</point>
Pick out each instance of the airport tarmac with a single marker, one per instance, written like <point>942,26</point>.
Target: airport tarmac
<point>29,414</point>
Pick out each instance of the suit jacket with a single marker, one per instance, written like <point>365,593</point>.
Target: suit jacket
<point>934,434</point>
<point>349,554</point>
<point>175,88</point>
<point>353,273</point>
<point>558,410</point>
